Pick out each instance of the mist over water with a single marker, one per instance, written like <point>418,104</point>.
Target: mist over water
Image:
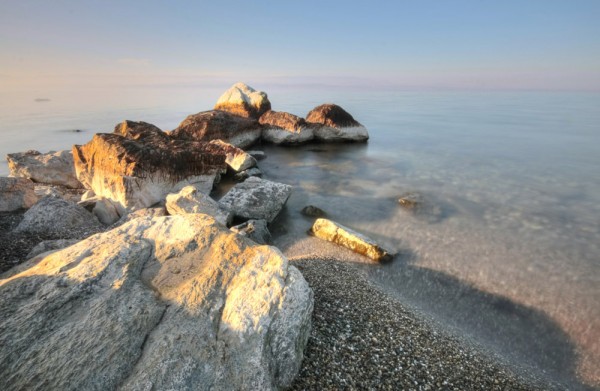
<point>507,251</point>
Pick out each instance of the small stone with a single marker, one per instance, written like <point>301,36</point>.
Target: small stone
<point>313,211</point>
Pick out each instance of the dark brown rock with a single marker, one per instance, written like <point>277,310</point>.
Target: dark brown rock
<point>284,128</point>
<point>140,131</point>
<point>334,124</point>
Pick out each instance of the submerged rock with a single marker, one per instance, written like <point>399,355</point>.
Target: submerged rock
<point>51,245</point>
<point>138,173</point>
<point>334,124</point>
<point>255,230</point>
<point>173,303</point>
<point>285,128</point>
<point>243,100</point>
<point>235,158</point>
<point>313,211</point>
<point>219,125</point>
<point>55,168</point>
<point>256,198</point>
<point>411,200</point>
<point>59,218</point>
<point>344,236</point>
<point>422,207</point>
<point>190,200</point>
<point>16,193</point>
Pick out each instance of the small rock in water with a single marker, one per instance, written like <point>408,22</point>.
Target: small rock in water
<point>411,200</point>
<point>313,211</point>
<point>50,245</point>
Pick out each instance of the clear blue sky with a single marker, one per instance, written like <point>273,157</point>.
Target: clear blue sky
<point>534,44</point>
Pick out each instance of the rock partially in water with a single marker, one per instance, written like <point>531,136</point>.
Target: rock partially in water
<point>16,193</point>
<point>190,200</point>
<point>285,128</point>
<point>313,211</point>
<point>334,124</point>
<point>241,99</point>
<point>50,245</point>
<point>170,303</point>
<point>257,198</point>
<point>235,158</point>
<point>423,208</point>
<point>258,155</point>
<point>255,230</point>
<point>344,236</point>
<point>219,125</point>
<point>411,200</point>
<point>138,173</point>
<point>242,176</point>
<point>59,218</point>
<point>55,168</point>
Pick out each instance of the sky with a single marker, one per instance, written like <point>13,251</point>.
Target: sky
<point>444,44</point>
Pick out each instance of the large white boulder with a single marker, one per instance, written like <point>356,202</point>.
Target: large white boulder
<point>334,124</point>
<point>190,200</point>
<point>257,199</point>
<point>243,100</point>
<point>170,303</point>
<point>55,168</point>
<point>16,193</point>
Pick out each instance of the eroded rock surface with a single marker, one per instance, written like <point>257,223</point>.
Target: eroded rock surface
<point>55,168</point>
<point>175,303</point>
<point>344,236</point>
<point>285,128</point>
<point>190,200</point>
<point>235,158</point>
<point>16,193</point>
<point>138,173</point>
<point>256,198</point>
<point>334,124</point>
<point>255,230</point>
<point>50,245</point>
<point>219,125</point>
<point>243,100</point>
<point>59,218</point>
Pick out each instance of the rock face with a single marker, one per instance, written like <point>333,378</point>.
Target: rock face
<point>243,175</point>
<point>59,218</point>
<point>54,168</point>
<point>334,124</point>
<point>106,211</point>
<point>243,100</point>
<point>140,131</point>
<point>313,211</point>
<point>285,128</point>
<point>256,198</point>
<point>170,303</point>
<point>16,193</point>
<point>219,125</point>
<point>255,230</point>
<point>50,245</point>
<point>190,200</point>
<point>359,243</point>
<point>158,211</point>
<point>138,173</point>
<point>236,158</point>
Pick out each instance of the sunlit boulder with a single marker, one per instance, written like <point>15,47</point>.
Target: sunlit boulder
<point>55,168</point>
<point>243,100</point>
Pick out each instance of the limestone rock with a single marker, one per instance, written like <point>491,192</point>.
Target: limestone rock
<point>16,193</point>
<point>60,218</point>
<point>157,211</point>
<point>50,245</point>
<point>255,230</point>
<point>73,195</point>
<point>236,158</point>
<point>219,125</point>
<point>334,124</point>
<point>256,198</point>
<point>313,211</point>
<point>359,243</point>
<point>190,200</point>
<point>170,303</point>
<point>243,100</point>
<point>136,174</point>
<point>106,211</point>
<point>243,175</point>
<point>54,168</point>
<point>285,128</point>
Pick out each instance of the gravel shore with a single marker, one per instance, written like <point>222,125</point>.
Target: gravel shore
<point>363,339</point>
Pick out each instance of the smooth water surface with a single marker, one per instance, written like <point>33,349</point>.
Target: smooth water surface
<point>506,251</point>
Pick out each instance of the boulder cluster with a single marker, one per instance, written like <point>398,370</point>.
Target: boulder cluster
<point>149,282</point>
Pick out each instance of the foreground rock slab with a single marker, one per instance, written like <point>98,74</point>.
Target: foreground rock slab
<point>16,193</point>
<point>344,236</point>
<point>59,218</point>
<point>55,168</point>
<point>243,100</point>
<point>257,199</point>
<point>174,303</point>
<point>137,173</point>
<point>334,124</point>
<point>190,200</point>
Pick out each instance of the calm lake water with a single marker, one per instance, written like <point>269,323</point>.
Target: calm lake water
<point>507,252</point>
